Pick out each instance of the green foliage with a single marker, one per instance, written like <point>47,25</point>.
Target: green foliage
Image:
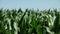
<point>29,22</point>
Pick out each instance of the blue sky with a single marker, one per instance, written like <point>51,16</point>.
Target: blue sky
<point>40,4</point>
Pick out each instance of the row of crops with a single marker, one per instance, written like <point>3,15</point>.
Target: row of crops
<point>29,21</point>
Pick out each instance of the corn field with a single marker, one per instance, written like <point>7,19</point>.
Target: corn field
<point>29,21</point>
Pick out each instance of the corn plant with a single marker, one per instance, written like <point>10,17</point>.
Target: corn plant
<point>29,21</point>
